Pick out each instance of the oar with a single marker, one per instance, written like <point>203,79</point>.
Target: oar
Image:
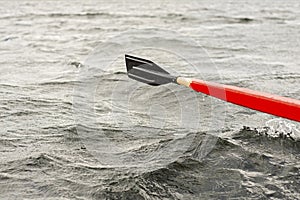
<point>148,72</point>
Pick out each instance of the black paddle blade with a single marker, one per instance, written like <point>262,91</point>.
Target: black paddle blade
<point>147,71</point>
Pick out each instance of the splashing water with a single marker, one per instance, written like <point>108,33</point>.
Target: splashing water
<point>280,127</point>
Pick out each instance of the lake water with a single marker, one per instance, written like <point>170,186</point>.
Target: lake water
<point>74,126</point>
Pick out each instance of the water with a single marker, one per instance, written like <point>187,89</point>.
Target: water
<point>73,126</point>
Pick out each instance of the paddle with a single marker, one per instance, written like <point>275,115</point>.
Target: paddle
<point>148,72</point>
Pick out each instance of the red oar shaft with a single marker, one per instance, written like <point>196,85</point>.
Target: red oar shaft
<point>267,103</point>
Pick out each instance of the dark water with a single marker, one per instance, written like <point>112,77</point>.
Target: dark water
<point>73,126</point>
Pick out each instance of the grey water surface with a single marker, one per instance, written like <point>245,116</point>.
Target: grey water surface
<point>74,126</point>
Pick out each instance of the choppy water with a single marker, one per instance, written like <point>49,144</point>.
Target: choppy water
<point>73,126</point>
